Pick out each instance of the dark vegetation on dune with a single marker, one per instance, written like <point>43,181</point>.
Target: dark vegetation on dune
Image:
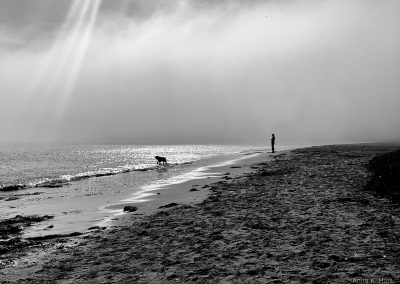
<point>385,178</point>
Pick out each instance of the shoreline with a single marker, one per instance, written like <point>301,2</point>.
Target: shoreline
<point>191,189</point>
<point>65,179</point>
<point>89,202</point>
<point>302,217</point>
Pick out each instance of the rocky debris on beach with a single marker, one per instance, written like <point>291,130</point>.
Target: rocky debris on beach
<point>130,208</point>
<point>303,218</point>
<point>97,228</point>
<point>169,205</point>
<point>12,187</point>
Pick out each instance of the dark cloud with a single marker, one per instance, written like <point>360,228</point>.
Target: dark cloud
<point>28,21</point>
<point>22,13</point>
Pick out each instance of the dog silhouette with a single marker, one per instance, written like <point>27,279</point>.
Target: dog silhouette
<point>161,160</point>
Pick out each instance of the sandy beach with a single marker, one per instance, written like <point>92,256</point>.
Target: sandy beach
<point>301,216</point>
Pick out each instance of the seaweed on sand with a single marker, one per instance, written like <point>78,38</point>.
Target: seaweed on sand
<point>15,225</point>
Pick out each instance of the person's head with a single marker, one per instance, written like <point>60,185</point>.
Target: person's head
<point>273,134</point>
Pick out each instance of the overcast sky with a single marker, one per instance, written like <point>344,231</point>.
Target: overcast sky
<point>200,71</point>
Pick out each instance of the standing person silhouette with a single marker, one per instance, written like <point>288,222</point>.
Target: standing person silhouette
<point>273,143</point>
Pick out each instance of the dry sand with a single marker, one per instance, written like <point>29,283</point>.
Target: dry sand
<point>302,218</point>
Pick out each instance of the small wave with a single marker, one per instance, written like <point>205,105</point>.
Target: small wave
<point>66,179</point>
<point>108,172</point>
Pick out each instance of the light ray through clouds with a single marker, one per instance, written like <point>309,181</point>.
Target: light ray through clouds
<point>43,69</point>
<point>59,73</point>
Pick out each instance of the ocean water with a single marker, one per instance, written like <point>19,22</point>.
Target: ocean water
<point>86,185</point>
<point>25,166</point>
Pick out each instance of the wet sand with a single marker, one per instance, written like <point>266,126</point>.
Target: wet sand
<point>303,217</point>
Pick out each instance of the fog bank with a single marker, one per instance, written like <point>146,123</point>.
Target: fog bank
<point>160,72</point>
